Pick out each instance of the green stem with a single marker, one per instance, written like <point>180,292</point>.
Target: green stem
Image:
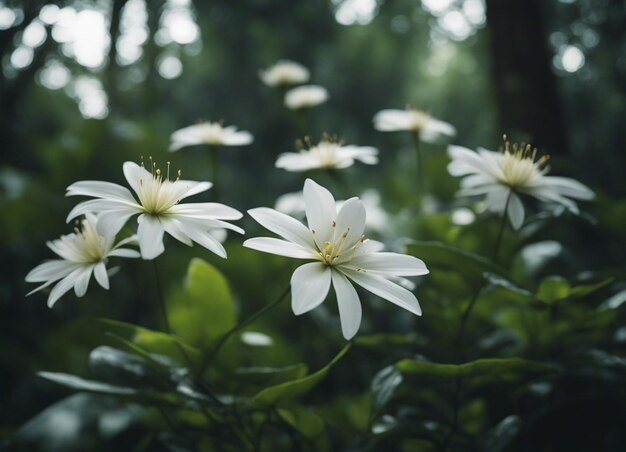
<point>210,356</point>
<point>420,165</point>
<point>496,247</point>
<point>302,121</point>
<point>160,298</point>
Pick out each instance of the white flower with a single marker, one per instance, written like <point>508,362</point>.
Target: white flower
<point>327,154</point>
<point>209,133</point>
<point>334,241</point>
<point>305,97</point>
<point>158,209</point>
<point>82,253</point>
<point>285,72</point>
<point>501,176</point>
<point>430,130</point>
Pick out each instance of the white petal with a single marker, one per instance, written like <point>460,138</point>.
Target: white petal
<point>124,252</point>
<point>297,161</point>
<point>193,187</point>
<point>435,131</point>
<point>173,227</point>
<point>309,286</point>
<point>279,247</point>
<point>568,187</point>
<point>51,270</point>
<point>150,235</point>
<point>100,189</point>
<point>349,305</point>
<point>392,120</point>
<point>63,286</point>
<point>100,206</point>
<point>385,289</point>
<point>100,273</point>
<point>351,220</point>
<point>320,210</point>
<point>134,173</point>
<point>240,138</point>
<point>207,210</point>
<point>389,263</point>
<point>285,226</point>
<point>82,281</point>
<point>202,237</point>
<point>516,211</point>
<point>110,223</point>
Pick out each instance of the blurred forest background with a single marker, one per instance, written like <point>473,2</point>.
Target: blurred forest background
<point>87,85</point>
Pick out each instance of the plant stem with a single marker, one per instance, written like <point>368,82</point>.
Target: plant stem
<point>214,171</point>
<point>496,247</point>
<point>242,324</point>
<point>160,298</point>
<point>461,333</point>
<point>420,167</point>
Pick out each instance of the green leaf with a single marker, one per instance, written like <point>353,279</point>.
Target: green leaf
<point>556,288</point>
<point>295,388</point>
<point>153,342</point>
<point>203,309</point>
<point>437,254</point>
<point>303,420</point>
<point>80,384</point>
<point>480,372</point>
<point>271,375</point>
<point>553,288</point>
<point>383,387</point>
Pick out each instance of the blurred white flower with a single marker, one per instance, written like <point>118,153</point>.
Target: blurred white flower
<point>83,253</point>
<point>209,133</point>
<point>429,129</point>
<point>327,154</point>
<point>307,96</point>
<point>158,209</point>
<point>334,240</point>
<point>285,72</point>
<point>501,176</point>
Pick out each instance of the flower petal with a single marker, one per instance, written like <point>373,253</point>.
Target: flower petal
<point>351,221</point>
<point>350,311</point>
<point>134,174</point>
<point>150,235</point>
<point>100,273</point>
<point>320,211</point>
<point>51,270</point>
<point>385,289</point>
<point>82,281</point>
<point>100,189</point>
<point>279,247</point>
<point>388,264</point>
<point>285,226</point>
<point>309,286</point>
<point>515,211</point>
<point>64,286</point>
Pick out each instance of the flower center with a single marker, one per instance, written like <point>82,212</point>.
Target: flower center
<point>326,153</point>
<point>337,247</point>
<point>519,164</point>
<point>417,119</point>
<point>88,243</point>
<point>158,194</point>
<point>212,133</point>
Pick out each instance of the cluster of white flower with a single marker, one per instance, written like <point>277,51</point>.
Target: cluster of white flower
<point>333,237</point>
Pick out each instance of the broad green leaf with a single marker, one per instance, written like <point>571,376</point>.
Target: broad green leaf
<point>154,342</point>
<point>383,387</point>
<point>481,371</point>
<point>303,420</point>
<point>271,375</point>
<point>295,388</point>
<point>439,254</point>
<point>203,309</point>
<point>553,288</point>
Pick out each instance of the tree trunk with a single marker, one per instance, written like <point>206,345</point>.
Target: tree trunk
<point>525,86</point>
